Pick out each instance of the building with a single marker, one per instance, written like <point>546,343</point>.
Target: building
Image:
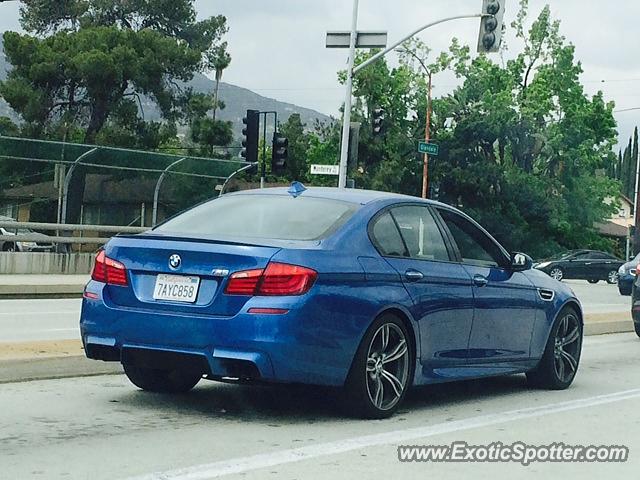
<point>107,200</point>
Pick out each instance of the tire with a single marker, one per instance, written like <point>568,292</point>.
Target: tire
<point>9,247</point>
<point>556,273</point>
<point>637,327</point>
<point>549,374</point>
<point>593,280</point>
<point>162,381</point>
<point>372,390</point>
<point>612,277</point>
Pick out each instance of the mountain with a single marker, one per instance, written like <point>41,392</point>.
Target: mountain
<point>236,99</point>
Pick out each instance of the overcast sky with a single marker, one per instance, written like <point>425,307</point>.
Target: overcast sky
<point>278,45</point>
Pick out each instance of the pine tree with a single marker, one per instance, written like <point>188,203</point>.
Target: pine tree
<point>626,169</point>
<point>618,175</point>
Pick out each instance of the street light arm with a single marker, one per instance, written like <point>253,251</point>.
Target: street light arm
<point>240,170</point>
<point>156,193</point>
<point>379,55</point>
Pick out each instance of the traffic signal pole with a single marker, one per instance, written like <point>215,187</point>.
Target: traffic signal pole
<point>352,70</point>
<point>346,118</point>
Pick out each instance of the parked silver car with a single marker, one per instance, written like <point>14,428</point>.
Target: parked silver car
<point>43,243</point>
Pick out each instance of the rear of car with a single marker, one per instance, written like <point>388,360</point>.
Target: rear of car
<point>635,304</point>
<point>627,275</point>
<point>221,291</point>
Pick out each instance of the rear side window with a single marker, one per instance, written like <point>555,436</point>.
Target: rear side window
<point>264,217</point>
<point>421,233</point>
<point>387,238</point>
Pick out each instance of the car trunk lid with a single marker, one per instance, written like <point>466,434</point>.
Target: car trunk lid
<point>211,261</point>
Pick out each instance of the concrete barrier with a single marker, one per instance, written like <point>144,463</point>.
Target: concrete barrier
<point>17,263</point>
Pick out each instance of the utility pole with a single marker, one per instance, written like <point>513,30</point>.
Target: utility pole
<point>352,70</point>
<point>346,117</point>
<point>427,135</point>
<point>636,214</point>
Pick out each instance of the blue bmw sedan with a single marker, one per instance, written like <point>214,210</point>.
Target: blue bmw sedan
<point>368,291</point>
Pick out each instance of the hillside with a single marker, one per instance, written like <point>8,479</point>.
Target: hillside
<point>237,100</point>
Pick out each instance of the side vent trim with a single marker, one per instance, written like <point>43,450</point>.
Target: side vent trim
<point>546,295</point>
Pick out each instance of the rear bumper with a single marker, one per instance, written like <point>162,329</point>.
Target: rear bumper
<point>305,345</point>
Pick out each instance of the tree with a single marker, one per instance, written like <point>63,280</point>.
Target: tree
<point>294,130</point>
<point>85,61</point>
<point>218,60</point>
<point>521,144</point>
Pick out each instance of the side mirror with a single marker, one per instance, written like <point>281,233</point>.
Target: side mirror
<point>521,262</point>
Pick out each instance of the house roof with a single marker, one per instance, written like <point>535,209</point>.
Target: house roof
<point>626,199</point>
<point>103,189</point>
<point>612,229</point>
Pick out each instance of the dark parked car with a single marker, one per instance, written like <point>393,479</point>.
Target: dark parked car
<point>627,275</point>
<point>368,291</point>
<point>589,265</point>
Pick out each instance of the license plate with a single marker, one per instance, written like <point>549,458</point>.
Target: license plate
<point>176,288</point>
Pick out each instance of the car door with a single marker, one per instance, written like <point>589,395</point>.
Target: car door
<point>506,303</point>
<point>576,266</point>
<point>412,243</point>
<point>600,264</point>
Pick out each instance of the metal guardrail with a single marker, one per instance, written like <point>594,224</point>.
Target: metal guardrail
<point>72,227</point>
<point>63,227</point>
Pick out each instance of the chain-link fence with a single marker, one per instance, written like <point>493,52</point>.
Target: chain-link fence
<point>92,184</point>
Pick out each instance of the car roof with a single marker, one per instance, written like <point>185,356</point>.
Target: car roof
<point>351,195</point>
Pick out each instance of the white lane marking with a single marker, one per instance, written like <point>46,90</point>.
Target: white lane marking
<point>265,460</point>
<point>60,329</point>
<point>60,312</point>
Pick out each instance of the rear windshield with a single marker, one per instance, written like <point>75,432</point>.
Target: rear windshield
<point>263,216</point>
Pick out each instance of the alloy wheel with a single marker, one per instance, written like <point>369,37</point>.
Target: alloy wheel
<point>612,277</point>
<point>387,368</point>
<point>556,274</point>
<point>566,351</point>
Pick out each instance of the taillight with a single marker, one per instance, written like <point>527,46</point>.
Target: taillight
<point>284,279</point>
<point>108,270</point>
<point>99,273</point>
<point>244,283</point>
<point>278,279</point>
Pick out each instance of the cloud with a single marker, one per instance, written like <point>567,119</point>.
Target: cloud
<point>278,45</point>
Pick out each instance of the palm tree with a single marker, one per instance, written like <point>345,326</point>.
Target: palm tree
<point>220,60</point>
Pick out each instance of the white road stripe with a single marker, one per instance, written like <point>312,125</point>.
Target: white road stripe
<point>265,460</point>
<point>60,312</point>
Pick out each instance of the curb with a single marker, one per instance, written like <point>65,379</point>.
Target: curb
<point>41,291</point>
<point>606,323</point>
<point>54,368</point>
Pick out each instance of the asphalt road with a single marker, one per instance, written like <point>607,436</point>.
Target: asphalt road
<point>28,320</point>
<point>104,428</point>
<point>57,319</point>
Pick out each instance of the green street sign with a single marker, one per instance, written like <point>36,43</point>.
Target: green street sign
<point>429,148</point>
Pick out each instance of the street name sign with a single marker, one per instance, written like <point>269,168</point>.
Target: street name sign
<point>429,148</point>
<point>325,170</point>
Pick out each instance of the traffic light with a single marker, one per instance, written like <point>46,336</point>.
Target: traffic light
<point>491,27</point>
<point>379,119</point>
<point>251,133</point>
<point>280,153</point>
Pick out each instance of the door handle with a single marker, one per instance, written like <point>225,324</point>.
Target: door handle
<point>480,281</point>
<point>413,275</point>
